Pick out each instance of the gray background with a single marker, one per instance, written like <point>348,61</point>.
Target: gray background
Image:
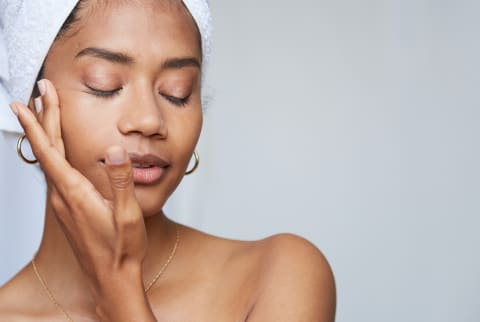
<point>352,123</point>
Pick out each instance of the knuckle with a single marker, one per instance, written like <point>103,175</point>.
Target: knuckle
<point>42,151</point>
<point>57,203</point>
<point>129,223</point>
<point>74,187</point>
<point>129,217</point>
<point>74,192</point>
<point>76,204</point>
<point>57,138</point>
<point>120,180</point>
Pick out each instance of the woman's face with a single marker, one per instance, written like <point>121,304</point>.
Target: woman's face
<point>130,75</point>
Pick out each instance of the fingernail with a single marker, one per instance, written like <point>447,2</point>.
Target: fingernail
<point>116,155</point>
<point>41,87</point>
<point>38,104</point>
<point>14,108</point>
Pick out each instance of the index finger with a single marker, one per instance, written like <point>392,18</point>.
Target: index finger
<point>50,120</point>
<point>53,163</point>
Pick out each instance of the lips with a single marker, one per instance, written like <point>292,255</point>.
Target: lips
<point>147,169</point>
<point>147,160</point>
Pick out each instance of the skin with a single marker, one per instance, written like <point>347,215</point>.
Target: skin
<point>106,237</point>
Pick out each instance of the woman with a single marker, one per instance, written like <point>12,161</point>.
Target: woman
<point>114,122</point>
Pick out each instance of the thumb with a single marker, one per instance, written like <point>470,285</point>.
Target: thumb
<point>119,170</point>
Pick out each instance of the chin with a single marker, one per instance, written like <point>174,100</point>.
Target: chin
<point>150,204</point>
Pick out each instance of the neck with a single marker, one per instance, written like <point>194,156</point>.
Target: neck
<point>59,266</point>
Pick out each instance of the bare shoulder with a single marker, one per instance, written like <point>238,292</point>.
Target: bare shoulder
<point>16,298</point>
<point>281,278</point>
<point>9,310</point>
<point>8,292</point>
<point>296,281</point>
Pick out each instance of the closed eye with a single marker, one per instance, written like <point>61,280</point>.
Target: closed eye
<point>103,93</point>
<point>178,101</point>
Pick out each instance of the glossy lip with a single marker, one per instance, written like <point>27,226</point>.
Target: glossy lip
<point>152,173</point>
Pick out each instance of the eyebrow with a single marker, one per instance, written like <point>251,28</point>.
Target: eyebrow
<point>125,59</point>
<point>111,56</point>
<point>177,63</point>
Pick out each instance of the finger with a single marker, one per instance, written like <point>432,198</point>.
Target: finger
<point>53,163</point>
<point>38,107</point>
<point>49,117</point>
<point>60,207</point>
<point>119,170</point>
<point>49,106</point>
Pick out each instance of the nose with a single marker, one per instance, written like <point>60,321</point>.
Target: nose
<point>143,115</point>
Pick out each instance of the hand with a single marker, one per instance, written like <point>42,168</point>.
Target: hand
<point>107,236</point>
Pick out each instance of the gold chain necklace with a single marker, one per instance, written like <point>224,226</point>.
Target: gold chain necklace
<point>147,288</point>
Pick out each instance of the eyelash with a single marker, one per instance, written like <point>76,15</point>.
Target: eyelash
<point>109,94</point>
<point>104,94</point>
<point>177,100</point>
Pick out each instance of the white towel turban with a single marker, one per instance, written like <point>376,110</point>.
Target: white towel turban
<point>28,29</point>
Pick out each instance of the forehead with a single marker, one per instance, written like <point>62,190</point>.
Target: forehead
<point>143,27</point>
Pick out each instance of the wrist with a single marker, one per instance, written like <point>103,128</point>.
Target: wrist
<point>129,308</point>
<point>121,297</point>
<point>125,307</point>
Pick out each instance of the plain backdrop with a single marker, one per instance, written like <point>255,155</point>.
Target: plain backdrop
<point>352,123</point>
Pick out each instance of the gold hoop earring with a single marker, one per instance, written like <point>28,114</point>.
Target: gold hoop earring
<point>19,150</point>
<point>195,166</point>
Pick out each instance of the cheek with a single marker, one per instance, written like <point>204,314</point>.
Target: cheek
<point>186,131</point>
<point>84,127</point>
<point>86,133</point>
